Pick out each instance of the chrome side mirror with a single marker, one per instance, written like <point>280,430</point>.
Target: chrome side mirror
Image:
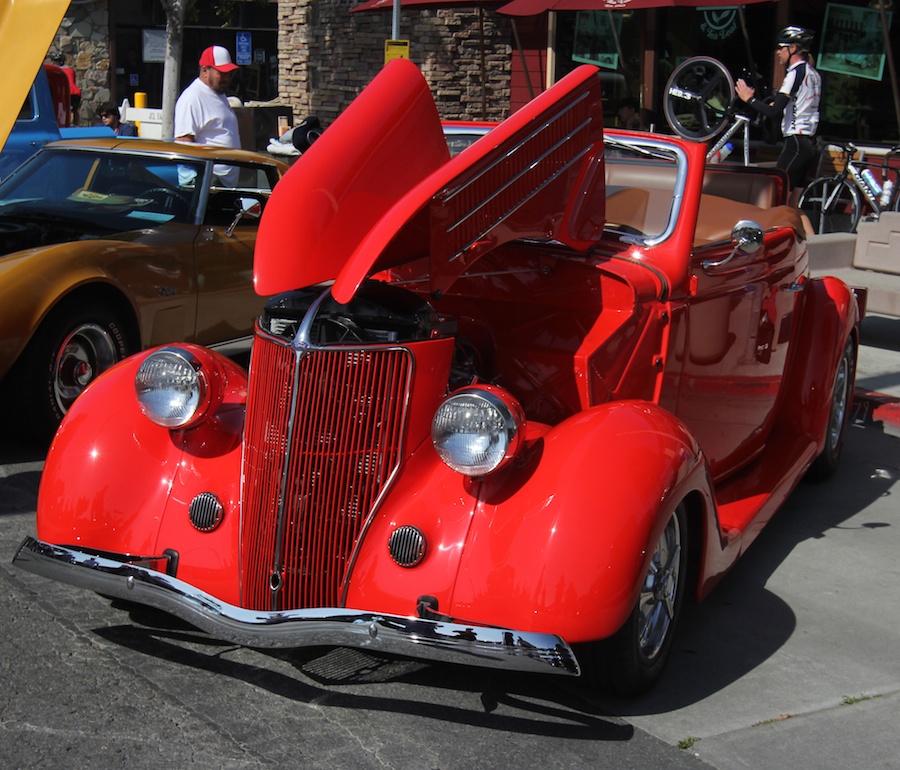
<point>246,207</point>
<point>746,238</point>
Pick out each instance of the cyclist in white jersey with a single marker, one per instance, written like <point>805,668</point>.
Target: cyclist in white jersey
<point>797,102</point>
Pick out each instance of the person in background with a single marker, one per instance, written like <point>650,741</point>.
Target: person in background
<point>59,59</point>
<point>109,116</point>
<point>203,114</point>
<point>796,102</point>
<point>628,114</point>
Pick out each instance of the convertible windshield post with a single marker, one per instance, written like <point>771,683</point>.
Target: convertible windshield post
<point>645,181</point>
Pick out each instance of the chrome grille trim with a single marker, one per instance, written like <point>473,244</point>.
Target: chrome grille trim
<point>323,442</point>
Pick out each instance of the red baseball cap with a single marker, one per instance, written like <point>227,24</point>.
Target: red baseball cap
<point>218,57</point>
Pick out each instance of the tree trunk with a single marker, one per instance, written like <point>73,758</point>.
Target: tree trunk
<point>175,12</point>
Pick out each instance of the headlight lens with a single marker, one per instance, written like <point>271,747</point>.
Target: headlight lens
<point>171,388</point>
<point>477,430</point>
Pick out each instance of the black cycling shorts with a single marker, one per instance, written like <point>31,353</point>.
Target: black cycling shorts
<point>797,157</point>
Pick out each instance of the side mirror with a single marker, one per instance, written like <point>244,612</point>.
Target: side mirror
<point>246,207</point>
<point>746,238</point>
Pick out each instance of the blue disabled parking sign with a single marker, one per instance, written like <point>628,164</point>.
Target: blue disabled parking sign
<point>244,47</point>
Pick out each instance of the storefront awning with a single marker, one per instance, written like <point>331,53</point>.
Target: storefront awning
<point>424,5</point>
<point>534,7</point>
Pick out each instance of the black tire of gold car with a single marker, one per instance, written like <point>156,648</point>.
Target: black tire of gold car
<point>631,661</point>
<point>838,416</point>
<point>77,341</point>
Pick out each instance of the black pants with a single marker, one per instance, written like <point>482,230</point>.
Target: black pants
<point>796,158</point>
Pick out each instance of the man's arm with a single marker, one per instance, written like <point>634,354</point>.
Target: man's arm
<point>772,109</point>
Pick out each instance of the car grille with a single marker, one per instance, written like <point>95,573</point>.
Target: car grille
<point>322,441</point>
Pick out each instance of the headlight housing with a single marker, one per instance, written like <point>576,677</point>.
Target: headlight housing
<point>478,429</point>
<point>172,388</point>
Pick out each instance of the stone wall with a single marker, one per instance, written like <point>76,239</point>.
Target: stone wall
<point>327,55</point>
<point>83,37</point>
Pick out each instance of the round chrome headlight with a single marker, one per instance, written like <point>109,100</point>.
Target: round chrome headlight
<point>171,388</point>
<point>478,429</point>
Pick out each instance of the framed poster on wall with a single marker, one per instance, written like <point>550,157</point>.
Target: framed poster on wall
<point>852,41</point>
<point>595,39</point>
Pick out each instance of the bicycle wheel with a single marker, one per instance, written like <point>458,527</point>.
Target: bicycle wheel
<point>832,205</point>
<point>698,98</point>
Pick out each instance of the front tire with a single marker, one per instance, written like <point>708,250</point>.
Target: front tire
<point>632,660</point>
<point>78,341</point>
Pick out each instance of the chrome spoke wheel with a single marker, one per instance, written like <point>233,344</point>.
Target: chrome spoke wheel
<point>87,351</point>
<point>656,605</point>
<point>839,402</point>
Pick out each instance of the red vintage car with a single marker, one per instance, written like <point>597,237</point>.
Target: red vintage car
<point>507,409</point>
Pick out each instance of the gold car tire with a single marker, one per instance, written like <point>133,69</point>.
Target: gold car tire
<point>78,341</point>
<point>630,661</point>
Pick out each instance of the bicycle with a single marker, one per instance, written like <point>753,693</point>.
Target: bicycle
<point>700,104</point>
<point>834,203</point>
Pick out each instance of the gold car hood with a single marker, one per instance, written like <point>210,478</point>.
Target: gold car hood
<point>35,21</point>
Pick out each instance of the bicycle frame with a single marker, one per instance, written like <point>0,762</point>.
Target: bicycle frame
<point>740,122</point>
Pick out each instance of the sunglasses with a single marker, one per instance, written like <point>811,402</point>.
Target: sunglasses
<point>105,115</point>
<point>782,45</point>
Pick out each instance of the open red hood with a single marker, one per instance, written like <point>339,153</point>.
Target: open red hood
<point>378,189</point>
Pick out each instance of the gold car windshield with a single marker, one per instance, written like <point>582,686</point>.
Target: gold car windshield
<point>123,191</point>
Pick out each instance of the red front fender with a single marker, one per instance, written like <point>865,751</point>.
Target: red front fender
<point>114,481</point>
<point>558,543</point>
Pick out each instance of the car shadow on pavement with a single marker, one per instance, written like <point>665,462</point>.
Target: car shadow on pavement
<point>742,623</point>
<point>354,679</point>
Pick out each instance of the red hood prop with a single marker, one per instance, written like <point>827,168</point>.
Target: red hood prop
<point>377,189</point>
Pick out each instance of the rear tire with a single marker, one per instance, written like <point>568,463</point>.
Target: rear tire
<point>838,417</point>
<point>632,660</point>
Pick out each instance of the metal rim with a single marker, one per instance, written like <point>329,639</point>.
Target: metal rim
<point>698,98</point>
<point>88,350</point>
<point>839,397</point>
<point>656,604</point>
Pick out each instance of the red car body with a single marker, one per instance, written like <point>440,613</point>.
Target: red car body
<point>661,388</point>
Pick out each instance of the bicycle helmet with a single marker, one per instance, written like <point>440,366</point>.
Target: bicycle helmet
<point>798,36</point>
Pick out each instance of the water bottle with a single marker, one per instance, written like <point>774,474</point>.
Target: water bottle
<point>719,155</point>
<point>885,200</point>
<point>872,182</point>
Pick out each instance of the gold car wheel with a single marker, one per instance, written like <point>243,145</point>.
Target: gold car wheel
<point>87,351</point>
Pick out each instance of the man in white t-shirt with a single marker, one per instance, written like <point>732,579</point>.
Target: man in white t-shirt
<point>202,112</point>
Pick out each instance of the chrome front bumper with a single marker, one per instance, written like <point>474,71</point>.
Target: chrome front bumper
<point>406,636</point>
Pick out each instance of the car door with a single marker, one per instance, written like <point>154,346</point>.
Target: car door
<point>740,322</point>
<point>227,304</point>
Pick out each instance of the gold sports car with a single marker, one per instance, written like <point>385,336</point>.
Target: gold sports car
<point>114,245</point>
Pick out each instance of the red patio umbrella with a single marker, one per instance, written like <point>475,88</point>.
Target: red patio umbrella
<point>534,7</point>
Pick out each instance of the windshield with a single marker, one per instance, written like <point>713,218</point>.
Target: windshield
<point>644,187</point>
<point>115,190</point>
